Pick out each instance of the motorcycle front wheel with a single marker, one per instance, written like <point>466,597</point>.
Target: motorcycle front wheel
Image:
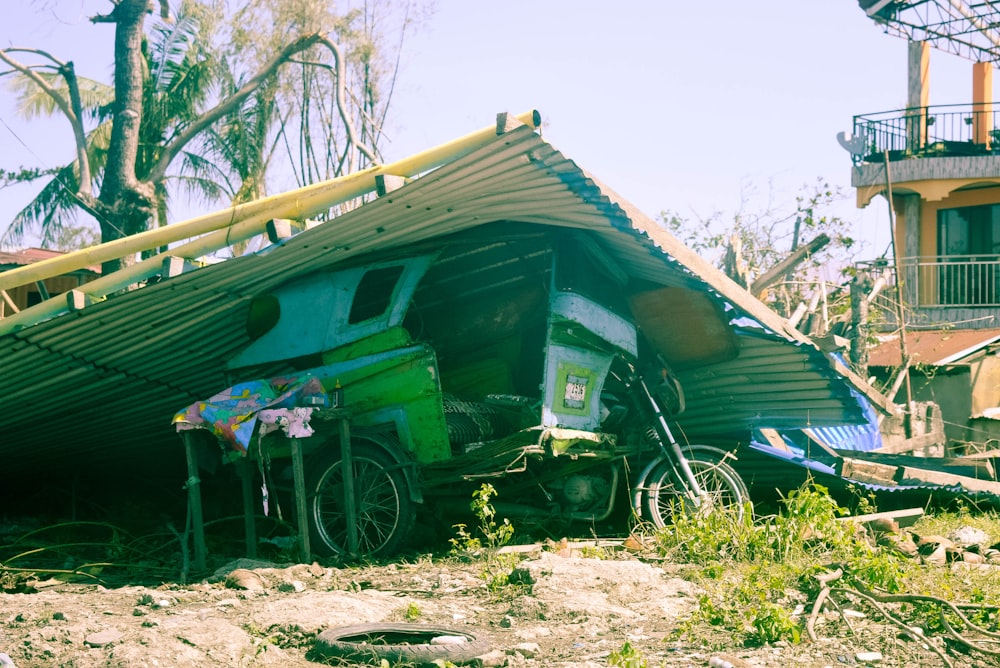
<point>721,486</point>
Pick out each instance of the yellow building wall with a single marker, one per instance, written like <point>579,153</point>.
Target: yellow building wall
<point>959,198</point>
<point>927,237</point>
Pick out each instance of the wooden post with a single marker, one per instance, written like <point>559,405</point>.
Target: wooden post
<point>347,466</point>
<point>193,486</point>
<point>298,474</point>
<point>900,306</point>
<point>249,523</point>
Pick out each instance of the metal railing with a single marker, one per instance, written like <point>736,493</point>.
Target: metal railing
<point>966,281</point>
<point>940,130</point>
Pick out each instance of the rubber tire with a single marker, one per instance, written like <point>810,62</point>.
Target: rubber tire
<point>410,643</point>
<point>384,506</point>
<point>714,474</point>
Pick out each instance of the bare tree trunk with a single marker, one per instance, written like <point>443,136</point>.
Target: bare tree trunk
<point>128,204</point>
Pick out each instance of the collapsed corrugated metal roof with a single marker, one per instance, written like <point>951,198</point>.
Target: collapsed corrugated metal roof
<point>99,385</point>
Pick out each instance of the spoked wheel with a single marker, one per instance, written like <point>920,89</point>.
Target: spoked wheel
<point>720,484</point>
<point>384,510</point>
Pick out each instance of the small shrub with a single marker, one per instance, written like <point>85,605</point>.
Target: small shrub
<point>698,538</point>
<point>412,612</point>
<point>770,623</point>
<point>495,534</point>
<point>496,568</point>
<point>627,657</point>
<point>770,562</point>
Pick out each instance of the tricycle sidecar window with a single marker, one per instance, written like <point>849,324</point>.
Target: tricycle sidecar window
<point>374,294</point>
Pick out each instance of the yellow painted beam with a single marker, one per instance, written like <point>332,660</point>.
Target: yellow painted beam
<point>301,203</point>
<point>140,271</point>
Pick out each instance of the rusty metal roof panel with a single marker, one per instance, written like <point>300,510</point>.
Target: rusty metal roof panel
<point>936,346</point>
<point>102,383</point>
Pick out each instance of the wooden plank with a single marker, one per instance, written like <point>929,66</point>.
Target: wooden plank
<point>279,229</point>
<point>988,454</point>
<point>903,518</point>
<point>902,446</point>
<point>246,471</point>
<point>193,486</point>
<point>870,472</point>
<point>822,446</point>
<point>347,466</point>
<point>298,478</point>
<point>175,266</point>
<point>778,271</point>
<point>9,301</point>
<point>77,300</point>
<point>386,183</point>
<point>572,545</point>
<point>774,439</point>
<point>909,475</point>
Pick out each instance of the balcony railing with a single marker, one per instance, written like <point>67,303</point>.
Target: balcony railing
<point>964,281</point>
<point>940,130</point>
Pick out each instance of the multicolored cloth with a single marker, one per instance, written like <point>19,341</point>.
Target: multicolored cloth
<point>233,414</point>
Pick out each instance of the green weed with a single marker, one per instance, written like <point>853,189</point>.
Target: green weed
<point>756,572</point>
<point>493,534</point>
<point>412,612</point>
<point>627,657</point>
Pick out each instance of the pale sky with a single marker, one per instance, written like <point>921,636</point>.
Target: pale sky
<point>686,106</point>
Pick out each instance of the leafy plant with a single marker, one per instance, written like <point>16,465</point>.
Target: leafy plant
<point>627,657</point>
<point>771,562</point>
<point>770,623</point>
<point>412,612</point>
<point>495,534</point>
<point>699,538</point>
<point>492,535</point>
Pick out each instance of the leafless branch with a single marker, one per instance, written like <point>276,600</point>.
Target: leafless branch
<point>352,135</point>
<point>71,107</point>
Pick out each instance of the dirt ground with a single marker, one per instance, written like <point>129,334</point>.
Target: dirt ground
<point>569,610</point>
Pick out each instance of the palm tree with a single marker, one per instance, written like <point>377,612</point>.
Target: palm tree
<point>160,85</point>
<point>179,75</point>
<point>180,104</point>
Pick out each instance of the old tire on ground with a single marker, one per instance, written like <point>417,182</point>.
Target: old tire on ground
<point>721,483</point>
<point>403,643</point>
<point>383,505</point>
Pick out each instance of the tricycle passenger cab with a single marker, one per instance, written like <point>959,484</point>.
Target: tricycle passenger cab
<point>487,355</point>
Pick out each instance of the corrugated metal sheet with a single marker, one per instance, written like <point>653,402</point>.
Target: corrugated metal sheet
<point>100,385</point>
<point>936,346</point>
<point>770,384</point>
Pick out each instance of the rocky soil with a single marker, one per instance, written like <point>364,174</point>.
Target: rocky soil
<point>566,609</point>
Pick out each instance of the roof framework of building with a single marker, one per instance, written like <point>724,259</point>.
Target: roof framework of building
<point>99,384</point>
<point>966,29</point>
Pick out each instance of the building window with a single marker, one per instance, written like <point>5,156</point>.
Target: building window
<point>969,255</point>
